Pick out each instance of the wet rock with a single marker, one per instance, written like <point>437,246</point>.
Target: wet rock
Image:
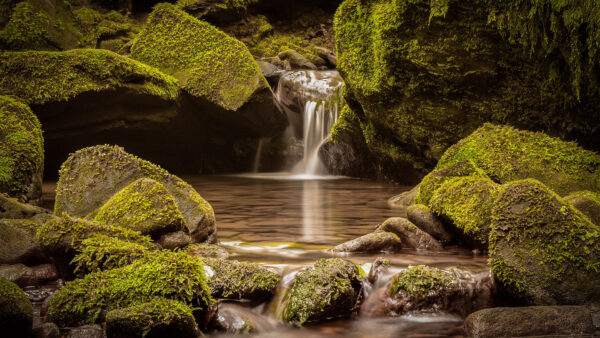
<point>327,55</point>
<point>373,242</point>
<point>543,250</point>
<point>404,199</point>
<point>91,176</point>
<point>46,330</point>
<point>29,276</point>
<point>174,240</point>
<point>21,150</point>
<point>328,289</point>
<point>11,208</point>
<point>421,288</point>
<point>16,312</point>
<point>87,331</point>
<point>588,203</point>
<point>379,266</point>
<point>206,250</point>
<point>240,280</point>
<point>18,242</point>
<point>296,60</point>
<point>236,319</point>
<point>158,318</point>
<point>421,216</point>
<point>530,321</point>
<point>410,235</point>
<point>270,71</point>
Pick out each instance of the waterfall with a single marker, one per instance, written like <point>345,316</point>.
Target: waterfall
<point>311,99</point>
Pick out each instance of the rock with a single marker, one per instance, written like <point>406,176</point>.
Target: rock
<point>16,312</point>
<point>422,288</point>
<point>215,11</point>
<point>174,240</point>
<point>206,250</point>
<point>296,60</point>
<point>270,71</point>
<point>437,177</point>
<point>373,242</point>
<point>21,150</point>
<point>588,203</point>
<point>29,276</point>
<point>241,280</point>
<point>421,216</point>
<point>530,321</point>
<point>419,56</point>
<point>107,31</point>
<point>145,206</point>
<point>404,199</point>
<point>87,331</point>
<point>236,319</point>
<point>18,243</point>
<point>158,318</point>
<point>327,55</point>
<point>467,202</point>
<point>377,268</point>
<point>167,274</point>
<point>217,71</point>
<point>410,235</point>
<point>543,250</point>
<point>11,208</point>
<point>46,330</point>
<point>91,176</point>
<point>328,289</point>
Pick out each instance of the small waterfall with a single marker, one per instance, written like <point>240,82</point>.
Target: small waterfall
<point>311,100</point>
<point>256,165</point>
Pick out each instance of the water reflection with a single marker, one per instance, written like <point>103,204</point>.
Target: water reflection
<point>312,210</point>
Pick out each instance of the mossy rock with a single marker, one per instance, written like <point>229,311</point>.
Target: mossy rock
<point>21,151</point>
<point>588,203</point>
<point>421,216</point>
<point>409,234</point>
<point>542,249</point>
<point>381,241</point>
<point>18,242</point>
<point>166,274</point>
<point>11,208</point>
<point>145,206</point>
<point>467,203</point>
<point>97,27</point>
<point>158,318</point>
<point>206,250</point>
<point>91,176</point>
<point>16,312</point>
<point>241,280</point>
<point>328,289</point>
<point>216,11</point>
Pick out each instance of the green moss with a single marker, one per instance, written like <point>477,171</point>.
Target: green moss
<point>241,280</point>
<point>167,274</point>
<point>96,26</point>
<point>206,250</point>
<point>419,280</point>
<point>208,62</point>
<point>16,312</point>
<point>274,44</point>
<point>21,150</point>
<point>345,124</point>
<point>41,77</point>
<point>588,203</point>
<point>436,178</point>
<point>145,206</point>
<point>327,289</point>
<point>467,202</point>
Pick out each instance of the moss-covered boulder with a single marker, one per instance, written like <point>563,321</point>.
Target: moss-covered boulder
<point>215,69</point>
<point>216,11</point>
<point>588,203</point>
<point>108,31</point>
<point>21,151</point>
<point>92,176</point>
<point>158,318</point>
<point>166,274</point>
<point>423,74</point>
<point>240,280</point>
<point>542,249</point>
<point>421,216</point>
<point>16,312</point>
<point>409,234</point>
<point>18,242</point>
<point>328,289</point>
<point>374,242</point>
<point>145,206</point>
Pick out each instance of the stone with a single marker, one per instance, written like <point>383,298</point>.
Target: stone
<point>404,199</point>
<point>174,240</point>
<point>29,276</point>
<point>86,331</point>
<point>46,330</point>
<point>410,235</point>
<point>11,208</point>
<point>16,312</point>
<point>327,55</point>
<point>421,216</point>
<point>587,202</point>
<point>18,242</point>
<point>296,60</point>
<point>240,280</point>
<point>206,250</point>
<point>373,242</point>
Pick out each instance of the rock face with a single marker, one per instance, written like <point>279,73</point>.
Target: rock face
<point>18,242</point>
<point>241,280</point>
<point>410,235</point>
<point>91,176</point>
<point>373,242</point>
<point>421,75</point>
<point>328,289</point>
<point>21,151</point>
<point>542,249</point>
<point>16,312</point>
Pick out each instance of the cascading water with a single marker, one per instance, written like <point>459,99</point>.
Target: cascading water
<point>311,99</point>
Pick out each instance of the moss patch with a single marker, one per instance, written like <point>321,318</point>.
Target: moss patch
<point>241,280</point>
<point>16,312</point>
<point>419,280</point>
<point>96,26</point>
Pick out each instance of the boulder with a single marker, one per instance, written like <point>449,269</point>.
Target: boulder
<point>410,235</point>
<point>11,208</point>
<point>373,242</point>
<point>405,199</point>
<point>236,319</point>
<point>588,203</point>
<point>206,250</point>
<point>240,280</point>
<point>158,318</point>
<point>145,206</point>
<point>531,321</point>
<point>174,240</point>
<point>296,60</point>
<point>432,181</point>
<point>21,150</point>
<point>87,331</point>
<point>16,312</point>
<point>328,289</point>
<point>421,216</point>
<point>167,274</point>
<point>327,55</point>
<point>543,250</point>
<point>91,176</point>
<point>18,242</point>
<point>46,330</point>
<point>216,11</point>
<point>29,276</point>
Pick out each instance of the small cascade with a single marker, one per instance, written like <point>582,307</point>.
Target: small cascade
<point>311,100</point>
<point>256,165</point>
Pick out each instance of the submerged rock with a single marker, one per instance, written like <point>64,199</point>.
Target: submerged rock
<point>91,176</point>
<point>542,249</point>
<point>16,312</point>
<point>588,203</point>
<point>410,235</point>
<point>241,280</point>
<point>421,216</point>
<point>18,242</point>
<point>373,242</point>
<point>328,289</point>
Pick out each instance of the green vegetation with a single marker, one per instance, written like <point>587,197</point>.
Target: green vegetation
<point>419,280</point>
<point>436,178</point>
<point>588,203</point>
<point>16,312</point>
<point>21,150</point>
<point>96,26</point>
<point>241,280</point>
<point>206,250</point>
